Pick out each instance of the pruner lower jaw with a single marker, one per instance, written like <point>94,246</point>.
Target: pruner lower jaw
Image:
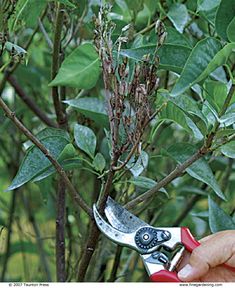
<point>159,248</point>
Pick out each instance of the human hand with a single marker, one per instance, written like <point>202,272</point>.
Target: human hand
<point>205,264</point>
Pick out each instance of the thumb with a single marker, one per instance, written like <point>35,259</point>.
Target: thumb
<point>212,252</point>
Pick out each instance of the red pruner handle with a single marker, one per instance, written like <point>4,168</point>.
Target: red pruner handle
<point>167,276</point>
<point>190,243</point>
<point>164,276</point>
<point>187,239</point>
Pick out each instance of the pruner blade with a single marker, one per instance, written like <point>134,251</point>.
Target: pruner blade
<point>128,230</point>
<point>122,219</point>
<point>117,236</point>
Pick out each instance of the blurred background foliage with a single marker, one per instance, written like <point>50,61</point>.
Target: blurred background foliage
<point>196,73</point>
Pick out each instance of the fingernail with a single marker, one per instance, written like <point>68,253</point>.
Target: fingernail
<point>186,271</point>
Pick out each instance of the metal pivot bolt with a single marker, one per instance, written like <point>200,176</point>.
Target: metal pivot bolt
<point>148,237</point>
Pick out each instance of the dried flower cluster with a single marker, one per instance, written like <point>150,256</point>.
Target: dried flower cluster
<point>129,84</point>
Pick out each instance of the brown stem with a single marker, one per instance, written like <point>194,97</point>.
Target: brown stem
<point>56,62</point>
<point>104,195</point>
<point>29,102</point>
<point>70,236</point>
<point>94,232</point>
<point>73,192</point>
<point>60,232</point>
<point>117,258</point>
<point>62,123</point>
<point>88,251</point>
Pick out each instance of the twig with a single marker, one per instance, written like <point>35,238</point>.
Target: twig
<point>44,32</point>
<point>145,30</point>
<point>182,167</point>
<point>78,26</point>
<point>173,175</point>
<point>73,192</point>
<point>133,149</point>
<point>29,102</point>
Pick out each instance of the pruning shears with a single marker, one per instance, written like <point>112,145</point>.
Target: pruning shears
<point>161,249</point>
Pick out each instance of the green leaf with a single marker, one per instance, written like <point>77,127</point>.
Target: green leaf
<point>138,53</point>
<point>92,108</point>
<point>172,57</point>
<point>85,139</point>
<point>215,93</point>
<point>231,31</point>
<point>205,57</point>
<point>137,166</point>
<point>229,149</point>
<point>227,119</point>
<point>207,9</point>
<point>81,69</point>
<point>68,152</point>
<point>24,17</point>
<point>209,15</point>
<point>172,112</point>
<point>224,133</point>
<point>218,219</point>
<point>67,164</point>
<point>49,132</point>
<point>135,5</point>
<point>145,15</point>
<point>199,170</point>
<point>178,15</point>
<point>99,162</point>
<point>224,16</point>
<point>176,38</point>
<point>220,59</point>
<point>206,5</point>
<point>145,183</point>
<point>185,103</point>
<point>120,12</point>
<point>35,162</point>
